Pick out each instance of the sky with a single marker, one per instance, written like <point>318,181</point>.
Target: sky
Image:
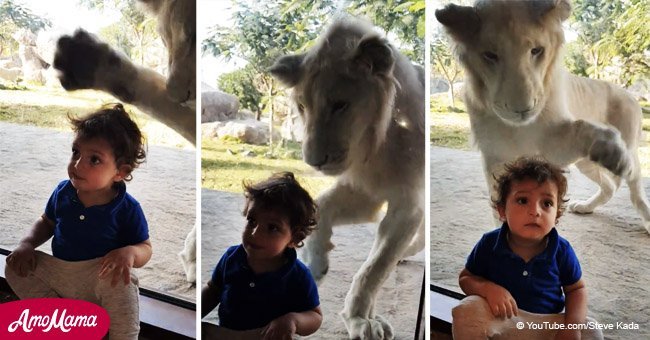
<point>67,15</point>
<point>210,13</point>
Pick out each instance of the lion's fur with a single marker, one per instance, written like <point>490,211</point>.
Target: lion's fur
<point>87,63</point>
<point>362,103</point>
<point>525,103</point>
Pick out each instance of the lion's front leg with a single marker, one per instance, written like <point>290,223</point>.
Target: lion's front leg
<point>86,63</point>
<point>395,232</point>
<point>339,205</point>
<point>570,141</point>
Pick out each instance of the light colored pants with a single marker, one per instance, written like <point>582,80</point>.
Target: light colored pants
<point>78,280</point>
<point>473,320</point>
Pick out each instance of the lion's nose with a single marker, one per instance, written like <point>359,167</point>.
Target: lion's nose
<point>317,162</point>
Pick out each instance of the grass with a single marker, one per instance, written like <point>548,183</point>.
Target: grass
<point>225,164</point>
<point>49,108</point>
<point>449,125</point>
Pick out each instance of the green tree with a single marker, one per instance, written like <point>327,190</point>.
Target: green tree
<point>445,64</point>
<point>13,17</point>
<point>140,27</point>
<point>241,83</point>
<point>593,20</point>
<point>403,18</point>
<point>628,43</point>
<point>262,32</point>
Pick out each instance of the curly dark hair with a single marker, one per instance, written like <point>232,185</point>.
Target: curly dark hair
<point>113,124</point>
<point>531,168</point>
<point>281,191</point>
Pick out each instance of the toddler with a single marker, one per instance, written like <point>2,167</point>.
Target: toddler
<point>260,283</point>
<point>525,264</point>
<point>99,232</point>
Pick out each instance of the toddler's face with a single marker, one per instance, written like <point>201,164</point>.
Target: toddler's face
<point>531,209</point>
<point>92,165</point>
<point>267,233</point>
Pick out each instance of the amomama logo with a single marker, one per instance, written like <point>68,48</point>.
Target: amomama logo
<point>52,318</point>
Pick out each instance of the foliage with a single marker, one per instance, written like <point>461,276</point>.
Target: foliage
<point>13,17</point>
<point>140,33</point>
<point>241,83</point>
<point>629,42</point>
<point>445,64</point>
<point>614,39</point>
<point>403,18</point>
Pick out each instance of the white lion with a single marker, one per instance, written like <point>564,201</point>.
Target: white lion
<point>85,62</point>
<point>362,103</point>
<point>521,100</point>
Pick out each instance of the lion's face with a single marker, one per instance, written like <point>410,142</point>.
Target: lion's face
<point>343,90</point>
<point>509,50</point>
<point>339,113</point>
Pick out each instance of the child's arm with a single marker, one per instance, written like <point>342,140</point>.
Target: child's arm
<point>22,260</point>
<point>575,309</point>
<point>210,298</point>
<point>302,323</point>
<point>120,261</point>
<point>501,303</point>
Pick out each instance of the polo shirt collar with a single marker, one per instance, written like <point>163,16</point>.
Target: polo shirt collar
<point>71,192</point>
<point>501,245</point>
<point>290,253</point>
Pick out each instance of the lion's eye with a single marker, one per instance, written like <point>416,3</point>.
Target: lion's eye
<point>301,108</point>
<point>490,56</point>
<point>339,107</point>
<point>537,51</point>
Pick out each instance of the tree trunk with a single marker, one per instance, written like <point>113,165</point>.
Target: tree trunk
<point>271,115</point>
<point>451,95</point>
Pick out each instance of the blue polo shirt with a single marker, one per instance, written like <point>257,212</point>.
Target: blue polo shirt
<point>250,301</point>
<point>82,233</point>
<point>536,286</point>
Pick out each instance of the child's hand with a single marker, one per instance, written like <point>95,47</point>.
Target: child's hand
<point>22,260</point>
<point>282,328</point>
<point>117,263</point>
<point>501,302</point>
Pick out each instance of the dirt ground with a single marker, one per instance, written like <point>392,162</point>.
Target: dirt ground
<point>612,245</point>
<point>398,300</point>
<point>33,161</point>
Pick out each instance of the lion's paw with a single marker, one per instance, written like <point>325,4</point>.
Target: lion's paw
<point>580,208</point>
<point>79,57</point>
<point>609,150</point>
<point>369,329</point>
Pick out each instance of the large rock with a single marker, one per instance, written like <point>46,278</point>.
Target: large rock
<point>249,131</point>
<point>32,63</point>
<point>218,106</point>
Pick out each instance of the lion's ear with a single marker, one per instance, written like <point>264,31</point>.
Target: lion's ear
<point>288,69</point>
<point>374,55</point>
<point>561,9</point>
<point>461,22</point>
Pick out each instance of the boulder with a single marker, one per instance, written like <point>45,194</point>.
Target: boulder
<point>218,106</point>
<point>248,131</point>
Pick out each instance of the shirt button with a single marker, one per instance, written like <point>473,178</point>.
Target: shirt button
<point>82,217</point>
<point>525,273</point>
<point>252,284</point>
